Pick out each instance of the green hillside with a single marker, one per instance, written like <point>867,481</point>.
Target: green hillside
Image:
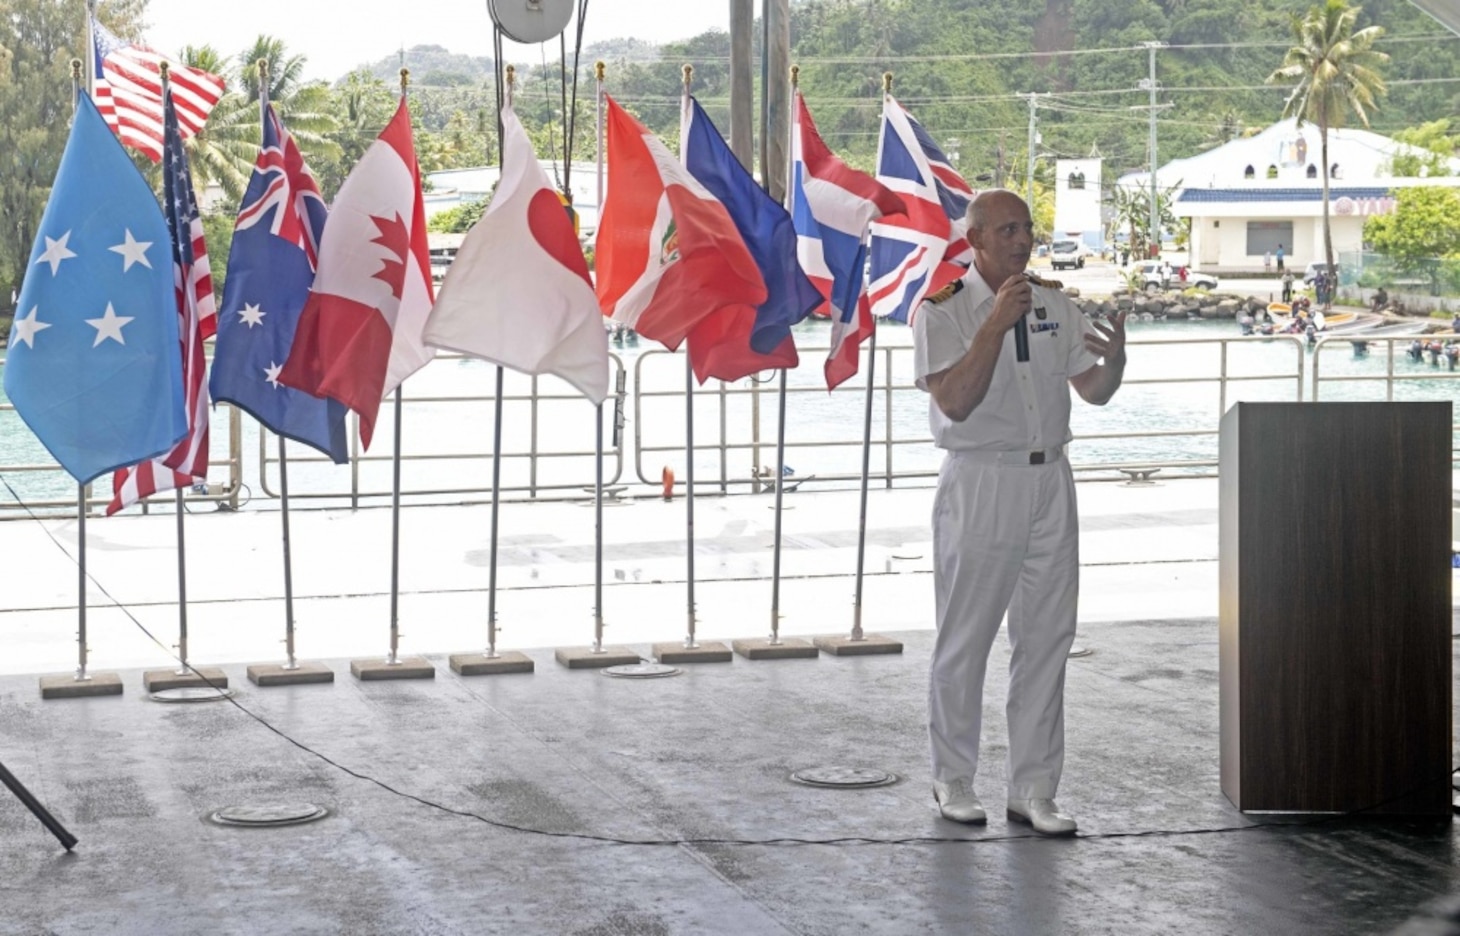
<point>965,69</point>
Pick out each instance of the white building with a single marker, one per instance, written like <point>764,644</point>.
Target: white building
<point>1248,196</point>
<point>1077,196</point>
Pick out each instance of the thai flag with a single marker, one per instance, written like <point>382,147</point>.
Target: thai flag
<point>923,250</point>
<point>831,207</point>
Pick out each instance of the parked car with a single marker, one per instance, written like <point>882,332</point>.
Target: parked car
<point>1311,273</point>
<point>1152,278</point>
<point>1068,255</point>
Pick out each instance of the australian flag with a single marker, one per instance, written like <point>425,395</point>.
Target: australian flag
<point>93,365</point>
<point>831,207</point>
<point>924,250</point>
<point>270,270</point>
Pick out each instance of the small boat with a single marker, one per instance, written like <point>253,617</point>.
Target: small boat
<point>1279,308</point>
<point>1392,330</point>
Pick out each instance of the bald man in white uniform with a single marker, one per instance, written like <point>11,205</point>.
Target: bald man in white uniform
<point>1005,529</point>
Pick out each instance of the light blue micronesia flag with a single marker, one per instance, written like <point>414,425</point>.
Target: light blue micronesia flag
<point>270,269</point>
<point>94,364</point>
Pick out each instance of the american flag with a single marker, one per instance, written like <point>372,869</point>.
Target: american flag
<point>187,463</point>
<point>128,92</point>
<point>919,253</point>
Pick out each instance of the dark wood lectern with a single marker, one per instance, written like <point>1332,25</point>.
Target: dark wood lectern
<point>1335,607</point>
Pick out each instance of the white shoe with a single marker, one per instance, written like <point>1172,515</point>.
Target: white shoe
<point>1042,814</point>
<point>957,801</point>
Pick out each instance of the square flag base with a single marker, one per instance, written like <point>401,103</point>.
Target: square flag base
<point>277,674</point>
<point>585,658</point>
<point>405,668</point>
<point>479,664</point>
<point>869,644</point>
<point>787,648</point>
<point>711,651</point>
<point>69,687</point>
<point>199,677</point>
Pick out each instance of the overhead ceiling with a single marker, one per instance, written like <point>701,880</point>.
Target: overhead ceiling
<point>1446,11</point>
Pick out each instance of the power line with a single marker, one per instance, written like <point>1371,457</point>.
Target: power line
<point>1053,53</point>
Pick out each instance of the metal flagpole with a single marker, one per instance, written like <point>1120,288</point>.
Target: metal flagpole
<point>81,583</point>
<point>775,639</point>
<point>182,588</point>
<point>598,70</point>
<point>291,662</point>
<point>774,647</point>
<point>858,642</point>
<point>508,87</point>
<point>689,434</point>
<point>866,472</point>
<point>393,659</point>
<point>77,66</point>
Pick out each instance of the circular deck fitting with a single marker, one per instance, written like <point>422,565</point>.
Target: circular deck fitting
<point>190,694</point>
<point>1079,651</point>
<point>843,777</point>
<point>266,815</point>
<point>641,671</point>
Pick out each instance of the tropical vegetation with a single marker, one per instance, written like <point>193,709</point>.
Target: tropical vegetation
<point>965,69</point>
<point>1335,71</point>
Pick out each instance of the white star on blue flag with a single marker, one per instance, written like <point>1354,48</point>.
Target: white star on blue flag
<point>93,367</point>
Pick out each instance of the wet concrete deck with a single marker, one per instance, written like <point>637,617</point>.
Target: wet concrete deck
<point>581,804</point>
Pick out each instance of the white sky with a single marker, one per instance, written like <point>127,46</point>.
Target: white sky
<point>336,36</point>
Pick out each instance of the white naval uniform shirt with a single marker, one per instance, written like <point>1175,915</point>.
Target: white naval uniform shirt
<point>1027,406</point>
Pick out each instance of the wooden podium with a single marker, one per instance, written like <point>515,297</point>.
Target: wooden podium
<point>1335,607</point>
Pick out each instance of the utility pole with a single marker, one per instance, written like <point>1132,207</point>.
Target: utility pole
<point>999,170</point>
<point>742,103</point>
<point>1033,141</point>
<point>1150,83</point>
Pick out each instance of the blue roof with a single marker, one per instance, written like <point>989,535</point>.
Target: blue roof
<point>1280,194</point>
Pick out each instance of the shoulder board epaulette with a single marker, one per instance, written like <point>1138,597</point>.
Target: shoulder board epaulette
<point>1041,281</point>
<point>947,292</point>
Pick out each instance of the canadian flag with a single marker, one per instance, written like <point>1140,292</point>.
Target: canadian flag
<point>361,332</point>
<point>518,292</point>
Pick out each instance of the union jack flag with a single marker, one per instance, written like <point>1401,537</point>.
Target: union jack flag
<point>128,92</point>
<point>289,187</point>
<point>187,463</point>
<point>924,250</point>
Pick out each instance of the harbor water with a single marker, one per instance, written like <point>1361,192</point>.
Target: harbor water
<point>1181,377</point>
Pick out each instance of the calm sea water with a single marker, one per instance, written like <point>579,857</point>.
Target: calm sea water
<point>1172,387</point>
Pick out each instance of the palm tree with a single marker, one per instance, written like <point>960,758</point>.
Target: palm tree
<point>1335,71</point>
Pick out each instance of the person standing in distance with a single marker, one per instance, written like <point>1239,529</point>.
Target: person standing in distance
<point>1005,529</point>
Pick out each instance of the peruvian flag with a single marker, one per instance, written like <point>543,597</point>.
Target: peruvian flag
<point>668,254</point>
<point>360,333</point>
<point>518,292</point>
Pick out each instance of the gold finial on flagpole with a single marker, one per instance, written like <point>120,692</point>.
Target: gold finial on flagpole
<point>163,69</point>
<point>795,75</point>
<point>887,82</point>
<point>76,69</point>
<point>405,80</point>
<point>689,71</point>
<point>599,67</point>
<point>263,65</point>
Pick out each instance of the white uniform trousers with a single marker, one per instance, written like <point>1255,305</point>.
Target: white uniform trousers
<point>1005,537</point>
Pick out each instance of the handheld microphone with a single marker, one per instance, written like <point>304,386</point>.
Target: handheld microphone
<point>1021,340</point>
<point>1021,328</point>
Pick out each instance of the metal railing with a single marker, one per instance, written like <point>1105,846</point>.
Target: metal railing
<point>738,421</point>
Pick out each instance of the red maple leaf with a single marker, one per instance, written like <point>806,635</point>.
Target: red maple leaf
<point>395,238</point>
